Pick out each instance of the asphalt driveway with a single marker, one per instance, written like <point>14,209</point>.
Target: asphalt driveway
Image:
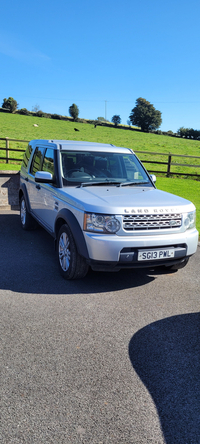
<point>111,359</point>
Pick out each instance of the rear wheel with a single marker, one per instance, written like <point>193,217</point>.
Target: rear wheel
<point>72,265</point>
<point>27,221</point>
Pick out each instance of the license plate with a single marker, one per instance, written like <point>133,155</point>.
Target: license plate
<point>154,255</point>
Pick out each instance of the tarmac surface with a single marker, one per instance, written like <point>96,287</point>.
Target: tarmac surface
<point>110,359</point>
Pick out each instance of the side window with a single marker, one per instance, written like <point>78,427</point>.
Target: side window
<point>27,155</point>
<point>37,160</point>
<point>48,162</point>
<point>133,169</point>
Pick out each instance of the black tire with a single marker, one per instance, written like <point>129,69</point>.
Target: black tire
<point>27,221</point>
<point>180,265</point>
<point>71,264</point>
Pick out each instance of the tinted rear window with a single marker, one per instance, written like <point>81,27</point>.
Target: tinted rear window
<point>27,155</point>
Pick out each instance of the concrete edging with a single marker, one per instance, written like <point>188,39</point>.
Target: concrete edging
<point>9,187</point>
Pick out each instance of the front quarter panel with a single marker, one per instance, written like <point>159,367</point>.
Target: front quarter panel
<point>66,216</point>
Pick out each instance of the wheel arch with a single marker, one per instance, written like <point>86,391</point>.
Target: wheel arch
<point>65,216</point>
<point>23,192</point>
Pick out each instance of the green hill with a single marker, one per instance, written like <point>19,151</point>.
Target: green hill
<point>16,126</point>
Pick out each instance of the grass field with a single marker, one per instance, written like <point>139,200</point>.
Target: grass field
<point>16,126</point>
<point>187,188</point>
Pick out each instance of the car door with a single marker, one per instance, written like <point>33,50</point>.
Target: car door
<point>42,195</point>
<point>47,201</point>
<point>32,186</point>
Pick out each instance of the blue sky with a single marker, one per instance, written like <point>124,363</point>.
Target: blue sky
<point>103,56</point>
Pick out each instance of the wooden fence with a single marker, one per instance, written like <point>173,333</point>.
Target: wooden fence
<point>7,149</point>
<point>147,159</point>
<point>169,163</point>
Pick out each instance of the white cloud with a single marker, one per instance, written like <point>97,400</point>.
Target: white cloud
<point>21,50</point>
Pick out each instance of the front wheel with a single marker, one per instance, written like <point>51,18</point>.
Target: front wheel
<point>71,264</point>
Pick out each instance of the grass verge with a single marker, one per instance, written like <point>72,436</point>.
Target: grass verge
<point>186,188</point>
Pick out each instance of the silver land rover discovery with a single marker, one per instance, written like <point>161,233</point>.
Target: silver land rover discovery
<point>102,208</point>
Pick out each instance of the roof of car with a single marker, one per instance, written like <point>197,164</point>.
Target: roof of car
<point>79,144</point>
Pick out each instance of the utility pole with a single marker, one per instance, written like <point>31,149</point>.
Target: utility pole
<point>105,109</point>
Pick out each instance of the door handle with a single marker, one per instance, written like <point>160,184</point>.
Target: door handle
<point>38,187</point>
<point>26,179</point>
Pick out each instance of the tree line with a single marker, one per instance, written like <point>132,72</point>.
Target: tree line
<point>188,133</point>
<point>143,115</point>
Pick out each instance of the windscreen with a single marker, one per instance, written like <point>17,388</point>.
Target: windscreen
<point>80,167</point>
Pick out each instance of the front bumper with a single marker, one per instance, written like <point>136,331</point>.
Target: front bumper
<point>113,248</point>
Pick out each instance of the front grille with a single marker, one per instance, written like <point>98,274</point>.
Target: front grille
<point>139,222</point>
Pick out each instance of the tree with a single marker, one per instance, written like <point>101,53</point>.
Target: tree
<point>74,111</point>
<point>10,104</point>
<point>116,119</point>
<point>182,132</point>
<point>101,119</point>
<point>188,133</point>
<point>145,115</point>
<point>24,112</point>
<point>36,108</point>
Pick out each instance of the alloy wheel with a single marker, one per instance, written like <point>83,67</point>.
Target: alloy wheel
<point>23,212</point>
<point>64,251</point>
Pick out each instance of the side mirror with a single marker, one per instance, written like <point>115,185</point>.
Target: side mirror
<point>153,178</point>
<point>43,177</point>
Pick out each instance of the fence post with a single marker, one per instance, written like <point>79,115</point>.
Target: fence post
<point>169,165</point>
<point>7,149</point>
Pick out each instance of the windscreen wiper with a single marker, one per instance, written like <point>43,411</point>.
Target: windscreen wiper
<point>127,184</point>
<point>92,184</point>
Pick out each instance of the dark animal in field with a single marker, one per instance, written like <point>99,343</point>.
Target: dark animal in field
<point>75,129</point>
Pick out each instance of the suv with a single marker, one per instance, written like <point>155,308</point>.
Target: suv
<point>102,208</point>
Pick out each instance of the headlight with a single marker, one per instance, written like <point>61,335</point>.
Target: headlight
<point>101,223</point>
<point>190,220</point>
